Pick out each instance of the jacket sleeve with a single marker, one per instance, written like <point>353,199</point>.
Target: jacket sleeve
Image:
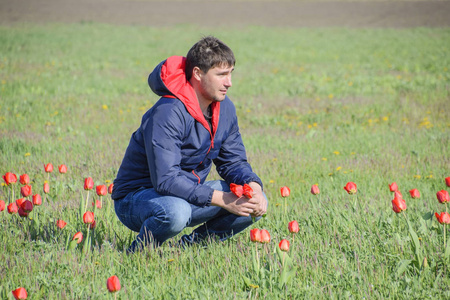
<point>163,137</point>
<point>231,163</point>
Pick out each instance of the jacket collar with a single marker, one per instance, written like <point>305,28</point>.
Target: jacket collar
<point>174,78</point>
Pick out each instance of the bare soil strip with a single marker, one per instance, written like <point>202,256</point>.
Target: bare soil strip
<point>397,14</point>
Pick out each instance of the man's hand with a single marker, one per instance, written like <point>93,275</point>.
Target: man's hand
<point>261,200</point>
<point>242,206</point>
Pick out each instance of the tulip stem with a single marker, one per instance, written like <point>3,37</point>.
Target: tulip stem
<point>86,243</point>
<point>12,194</point>
<point>87,199</point>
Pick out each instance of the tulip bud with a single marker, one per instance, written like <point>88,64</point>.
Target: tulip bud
<point>110,188</point>
<point>10,178</point>
<point>247,191</point>
<point>447,181</point>
<point>97,203</point>
<point>92,225</point>
<point>113,284</point>
<point>37,200</point>
<point>443,196</point>
<point>443,218</point>
<point>425,262</point>
<point>27,206</point>
<point>46,188</point>
<point>285,191</point>
<point>350,187</point>
<point>88,183</point>
<point>78,237</point>
<point>265,236</point>
<point>20,293</point>
<point>237,190</point>
<point>61,224</point>
<point>398,205</point>
<point>24,179</point>
<point>13,208</point>
<point>22,212</point>
<point>393,187</point>
<point>414,193</point>
<point>48,168</point>
<point>26,190</point>
<point>255,235</point>
<point>315,189</point>
<point>284,245</point>
<point>62,169</point>
<point>101,190</point>
<point>2,205</point>
<point>293,227</point>
<point>88,217</point>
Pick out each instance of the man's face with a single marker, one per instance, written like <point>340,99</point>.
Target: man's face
<point>215,83</point>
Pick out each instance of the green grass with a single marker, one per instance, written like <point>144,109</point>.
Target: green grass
<point>316,106</point>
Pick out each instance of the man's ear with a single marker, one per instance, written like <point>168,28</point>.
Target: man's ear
<point>197,73</point>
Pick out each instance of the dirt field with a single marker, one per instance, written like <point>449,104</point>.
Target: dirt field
<point>234,13</point>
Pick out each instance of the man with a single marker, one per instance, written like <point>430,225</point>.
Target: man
<point>160,187</point>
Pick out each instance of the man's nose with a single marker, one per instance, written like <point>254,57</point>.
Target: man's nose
<point>227,82</point>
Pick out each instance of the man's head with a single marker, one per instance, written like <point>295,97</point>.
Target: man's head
<point>208,53</point>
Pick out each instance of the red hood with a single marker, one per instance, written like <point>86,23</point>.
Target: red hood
<point>174,78</point>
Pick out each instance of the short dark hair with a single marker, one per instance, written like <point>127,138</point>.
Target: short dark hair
<point>207,53</point>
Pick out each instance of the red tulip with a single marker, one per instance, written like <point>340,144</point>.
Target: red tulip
<point>285,191</point>
<point>27,206</point>
<point>113,284</point>
<point>293,227</point>
<point>265,236</point>
<point>98,203</point>
<point>10,178</point>
<point>78,237</point>
<point>350,187</point>
<point>22,213</point>
<point>237,189</point>
<point>37,200</point>
<point>284,245</point>
<point>315,189</point>
<point>247,191</point>
<point>26,190</point>
<point>444,218</point>
<point>61,224</point>
<point>110,188</point>
<point>2,205</point>
<point>46,188</point>
<point>443,196</point>
<point>62,169</point>
<point>393,187</point>
<point>88,183</point>
<point>92,226</point>
<point>13,208</point>
<point>20,201</point>
<point>398,194</point>
<point>255,235</point>
<point>101,190</point>
<point>24,179</point>
<point>398,205</point>
<point>48,168</point>
<point>414,193</point>
<point>447,181</point>
<point>20,293</point>
<point>88,217</point>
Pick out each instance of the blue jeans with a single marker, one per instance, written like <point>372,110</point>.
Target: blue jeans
<point>158,218</point>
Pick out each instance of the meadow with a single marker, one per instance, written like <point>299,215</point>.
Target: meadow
<point>321,106</point>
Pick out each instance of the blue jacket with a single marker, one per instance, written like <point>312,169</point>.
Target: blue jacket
<point>173,149</point>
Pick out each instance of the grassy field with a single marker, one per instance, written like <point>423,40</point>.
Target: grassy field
<point>316,106</point>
